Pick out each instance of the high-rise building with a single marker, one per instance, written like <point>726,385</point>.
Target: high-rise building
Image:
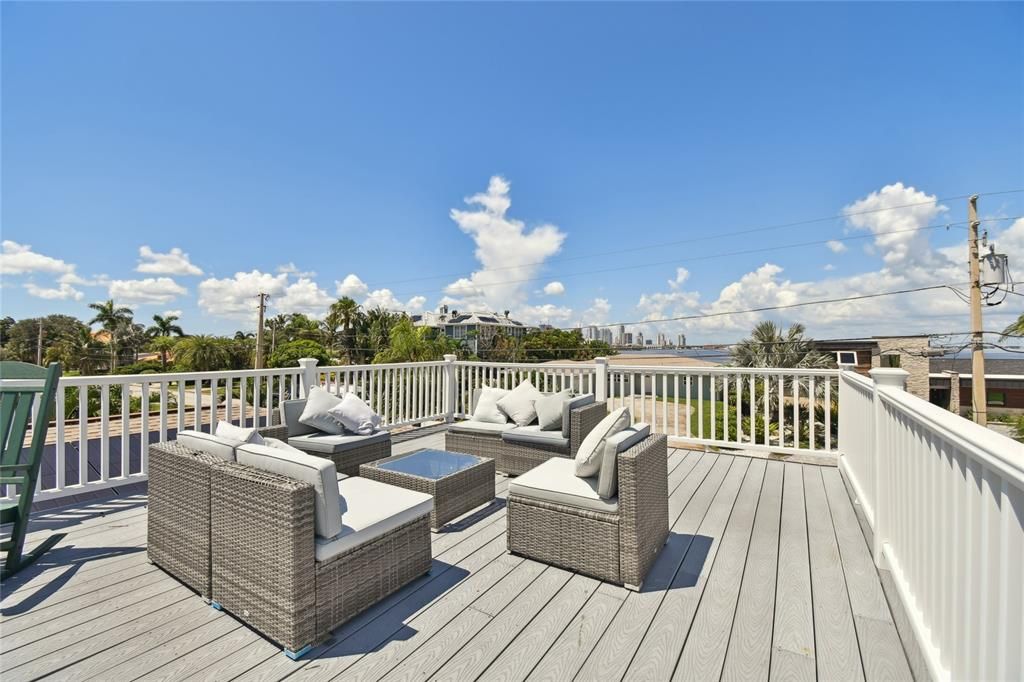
<point>606,335</point>
<point>639,338</point>
<point>620,337</point>
<point>627,338</point>
<point>662,341</point>
<point>681,342</point>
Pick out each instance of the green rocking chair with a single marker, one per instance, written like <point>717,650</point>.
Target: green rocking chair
<point>20,384</point>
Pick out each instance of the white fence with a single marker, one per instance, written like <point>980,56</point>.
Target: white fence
<point>104,425</point>
<point>944,498</point>
<point>782,410</point>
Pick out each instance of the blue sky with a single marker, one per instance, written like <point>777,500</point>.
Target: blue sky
<point>321,148</point>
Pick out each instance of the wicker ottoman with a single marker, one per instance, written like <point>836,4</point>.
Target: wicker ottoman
<point>458,482</point>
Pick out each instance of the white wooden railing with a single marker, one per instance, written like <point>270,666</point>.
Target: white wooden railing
<point>401,393</point>
<point>781,410</point>
<point>946,501</point>
<point>99,439</point>
<point>546,377</point>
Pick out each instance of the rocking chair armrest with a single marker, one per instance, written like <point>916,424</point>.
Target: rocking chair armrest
<point>14,467</point>
<point>13,480</point>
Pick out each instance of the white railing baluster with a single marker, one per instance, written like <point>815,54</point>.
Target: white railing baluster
<point>105,431</point>
<point>126,424</point>
<point>144,435</point>
<point>83,434</point>
<point>197,411</point>
<point>163,411</point>
<point>60,447</point>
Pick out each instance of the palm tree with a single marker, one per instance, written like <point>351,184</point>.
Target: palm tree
<point>163,344</point>
<point>202,353</point>
<point>112,319</point>
<point>346,312</point>
<point>78,350</point>
<point>164,326</point>
<point>1015,328</point>
<point>767,346</point>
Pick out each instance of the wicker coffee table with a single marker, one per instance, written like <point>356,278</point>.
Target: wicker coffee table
<point>458,482</point>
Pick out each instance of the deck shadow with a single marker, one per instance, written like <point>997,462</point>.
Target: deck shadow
<point>493,507</point>
<point>71,557</point>
<point>685,551</point>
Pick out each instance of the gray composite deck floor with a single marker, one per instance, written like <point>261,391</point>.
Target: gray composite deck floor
<point>766,575</point>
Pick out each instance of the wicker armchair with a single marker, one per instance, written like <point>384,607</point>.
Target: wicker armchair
<point>515,458</point>
<point>265,568</point>
<point>618,544</point>
<point>347,461</point>
<point>178,515</point>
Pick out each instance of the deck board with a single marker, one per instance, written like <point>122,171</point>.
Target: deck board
<point>751,583</point>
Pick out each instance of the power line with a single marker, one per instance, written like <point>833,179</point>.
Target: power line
<point>690,259</point>
<point>762,309</point>
<point>717,235</point>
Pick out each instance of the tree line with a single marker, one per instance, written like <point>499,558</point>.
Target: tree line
<point>348,334</point>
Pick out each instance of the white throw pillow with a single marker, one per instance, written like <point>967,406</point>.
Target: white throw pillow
<point>318,471</point>
<point>316,413</point>
<point>487,406</point>
<point>518,404</point>
<point>355,415</point>
<point>549,410</point>
<point>238,433</point>
<point>588,457</point>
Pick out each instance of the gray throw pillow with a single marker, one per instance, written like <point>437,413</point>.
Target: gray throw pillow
<point>549,409</point>
<point>317,414</point>
<point>608,477</point>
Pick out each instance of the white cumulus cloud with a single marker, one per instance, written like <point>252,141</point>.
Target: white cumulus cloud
<point>235,297</point>
<point>835,246</point>
<point>62,292</point>
<point>509,254</point>
<point>352,286</point>
<point>148,290</point>
<point>174,262</point>
<point>597,313</point>
<point>554,288</point>
<point>904,260</point>
<point>20,259</point>
<point>303,296</point>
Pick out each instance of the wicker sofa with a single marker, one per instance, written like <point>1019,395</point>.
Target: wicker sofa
<point>560,519</point>
<point>516,450</point>
<point>244,538</point>
<point>346,451</point>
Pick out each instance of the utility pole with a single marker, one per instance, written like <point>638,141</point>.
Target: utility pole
<point>39,345</point>
<point>979,397</point>
<point>259,330</point>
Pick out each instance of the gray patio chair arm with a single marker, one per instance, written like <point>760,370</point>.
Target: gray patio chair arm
<point>643,505</point>
<point>582,421</point>
<point>262,547</point>
<point>278,431</point>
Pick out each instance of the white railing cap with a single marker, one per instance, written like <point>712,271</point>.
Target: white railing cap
<point>890,376</point>
<point>308,362</point>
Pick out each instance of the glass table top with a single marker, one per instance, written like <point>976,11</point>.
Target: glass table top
<point>430,463</point>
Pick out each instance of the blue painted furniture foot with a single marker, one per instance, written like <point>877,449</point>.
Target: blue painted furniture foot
<point>296,655</point>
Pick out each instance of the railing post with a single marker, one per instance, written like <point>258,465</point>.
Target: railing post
<point>601,379</point>
<point>885,379</point>
<point>450,386</point>
<point>309,380</point>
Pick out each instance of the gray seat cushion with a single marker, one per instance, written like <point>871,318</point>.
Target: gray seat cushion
<point>330,444</point>
<point>532,435</point>
<point>480,428</point>
<point>372,510</point>
<point>556,481</point>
